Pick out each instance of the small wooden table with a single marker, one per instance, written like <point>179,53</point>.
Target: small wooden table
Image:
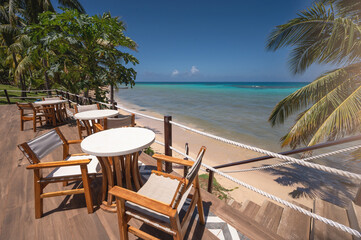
<point>118,148</point>
<point>93,115</point>
<point>57,105</point>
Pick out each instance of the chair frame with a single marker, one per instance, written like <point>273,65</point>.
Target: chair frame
<point>41,182</point>
<point>178,228</point>
<point>80,127</point>
<point>49,115</point>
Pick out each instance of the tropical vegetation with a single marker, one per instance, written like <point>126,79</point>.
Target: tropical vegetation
<point>69,50</point>
<point>328,32</point>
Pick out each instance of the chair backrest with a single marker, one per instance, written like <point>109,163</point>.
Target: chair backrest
<point>192,174</point>
<point>52,98</point>
<point>41,146</point>
<point>120,121</point>
<point>84,108</point>
<point>25,106</point>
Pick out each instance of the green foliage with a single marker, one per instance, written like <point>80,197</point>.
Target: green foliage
<point>83,49</point>
<point>327,32</point>
<point>149,151</point>
<point>17,94</point>
<point>218,190</point>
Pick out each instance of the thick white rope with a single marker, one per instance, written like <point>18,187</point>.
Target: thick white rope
<point>304,159</point>
<point>275,155</point>
<point>279,200</point>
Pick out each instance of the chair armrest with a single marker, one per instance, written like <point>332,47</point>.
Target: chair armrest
<point>141,200</point>
<point>99,126</point>
<point>59,164</point>
<point>169,176</point>
<point>165,158</point>
<point>74,141</point>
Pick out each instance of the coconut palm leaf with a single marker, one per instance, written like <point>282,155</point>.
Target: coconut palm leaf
<point>310,120</point>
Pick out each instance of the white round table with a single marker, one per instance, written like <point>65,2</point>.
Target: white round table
<point>56,104</point>
<point>96,114</point>
<point>89,117</point>
<point>50,102</point>
<point>118,147</point>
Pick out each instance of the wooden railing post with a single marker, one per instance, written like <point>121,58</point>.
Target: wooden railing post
<point>68,97</point>
<point>90,100</point>
<point>185,168</point>
<point>77,99</point>
<point>114,104</point>
<point>168,141</point>
<point>7,96</point>
<point>210,181</point>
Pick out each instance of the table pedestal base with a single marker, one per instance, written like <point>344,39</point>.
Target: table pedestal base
<point>114,169</point>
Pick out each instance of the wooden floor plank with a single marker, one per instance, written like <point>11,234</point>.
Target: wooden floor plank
<point>269,215</point>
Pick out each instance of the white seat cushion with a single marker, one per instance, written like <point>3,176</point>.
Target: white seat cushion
<point>93,167</point>
<point>158,188</point>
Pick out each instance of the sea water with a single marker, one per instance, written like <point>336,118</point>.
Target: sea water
<point>237,110</point>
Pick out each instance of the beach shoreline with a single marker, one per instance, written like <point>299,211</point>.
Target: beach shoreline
<point>263,180</point>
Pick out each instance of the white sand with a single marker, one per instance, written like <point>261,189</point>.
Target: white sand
<point>220,153</point>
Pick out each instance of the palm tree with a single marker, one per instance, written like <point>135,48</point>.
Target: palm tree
<point>327,32</point>
<point>14,16</point>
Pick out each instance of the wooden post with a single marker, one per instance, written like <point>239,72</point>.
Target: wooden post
<point>77,99</point>
<point>357,199</point>
<point>57,92</point>
<point>90,100</point>
<point>114,104</point>
<point>68,97</point>
<point>168,141</point>
<point>210,181</point>
<point>7,96</point>
<point>185,168</point>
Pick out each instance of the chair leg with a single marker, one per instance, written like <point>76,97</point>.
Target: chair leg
<point>88,197</point>
<point>122,221</point>
<point>21,124</point>
<point>200,204</point>
<point>176,226</point>
<point>38,190</point>
<point>34,124</point>
<point>79,129</point>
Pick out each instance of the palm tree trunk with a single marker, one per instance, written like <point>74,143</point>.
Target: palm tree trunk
<point>111,93</point>
<point>46,77</point>
<point>22,80</point>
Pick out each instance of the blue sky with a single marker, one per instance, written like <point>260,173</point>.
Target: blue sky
<point>206,40</point>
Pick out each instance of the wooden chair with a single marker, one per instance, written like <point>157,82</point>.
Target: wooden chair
<point>160,200</point>
<point>61,107</point>
<point>73,167</point>
<point>84,108</point>
<point>116,122</point>
<point>28,112</point>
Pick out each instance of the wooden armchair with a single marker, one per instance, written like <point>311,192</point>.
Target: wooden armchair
<point>116,122</point>
<point>28,112</point>
<point>73,167</point>
<point>160,200</point>
<point>84,108</point>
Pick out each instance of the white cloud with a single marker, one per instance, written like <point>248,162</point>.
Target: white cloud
<point>194,70</point>
<point>175,72</point>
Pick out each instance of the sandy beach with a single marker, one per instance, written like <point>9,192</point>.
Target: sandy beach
<point>220,153</point>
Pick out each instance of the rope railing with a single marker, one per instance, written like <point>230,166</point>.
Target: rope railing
<point>140,114</point>
<point>304,159</point>
<point>275,155</point>
<point>277,199</point>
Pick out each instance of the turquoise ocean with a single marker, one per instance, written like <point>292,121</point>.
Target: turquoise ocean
<point>237,110</point>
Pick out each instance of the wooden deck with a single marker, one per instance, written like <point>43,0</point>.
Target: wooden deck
<point>66,217</point>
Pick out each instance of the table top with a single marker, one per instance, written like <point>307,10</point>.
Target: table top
<point>118,141</point>
<point>96,114</point>
<point>50,102</point>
